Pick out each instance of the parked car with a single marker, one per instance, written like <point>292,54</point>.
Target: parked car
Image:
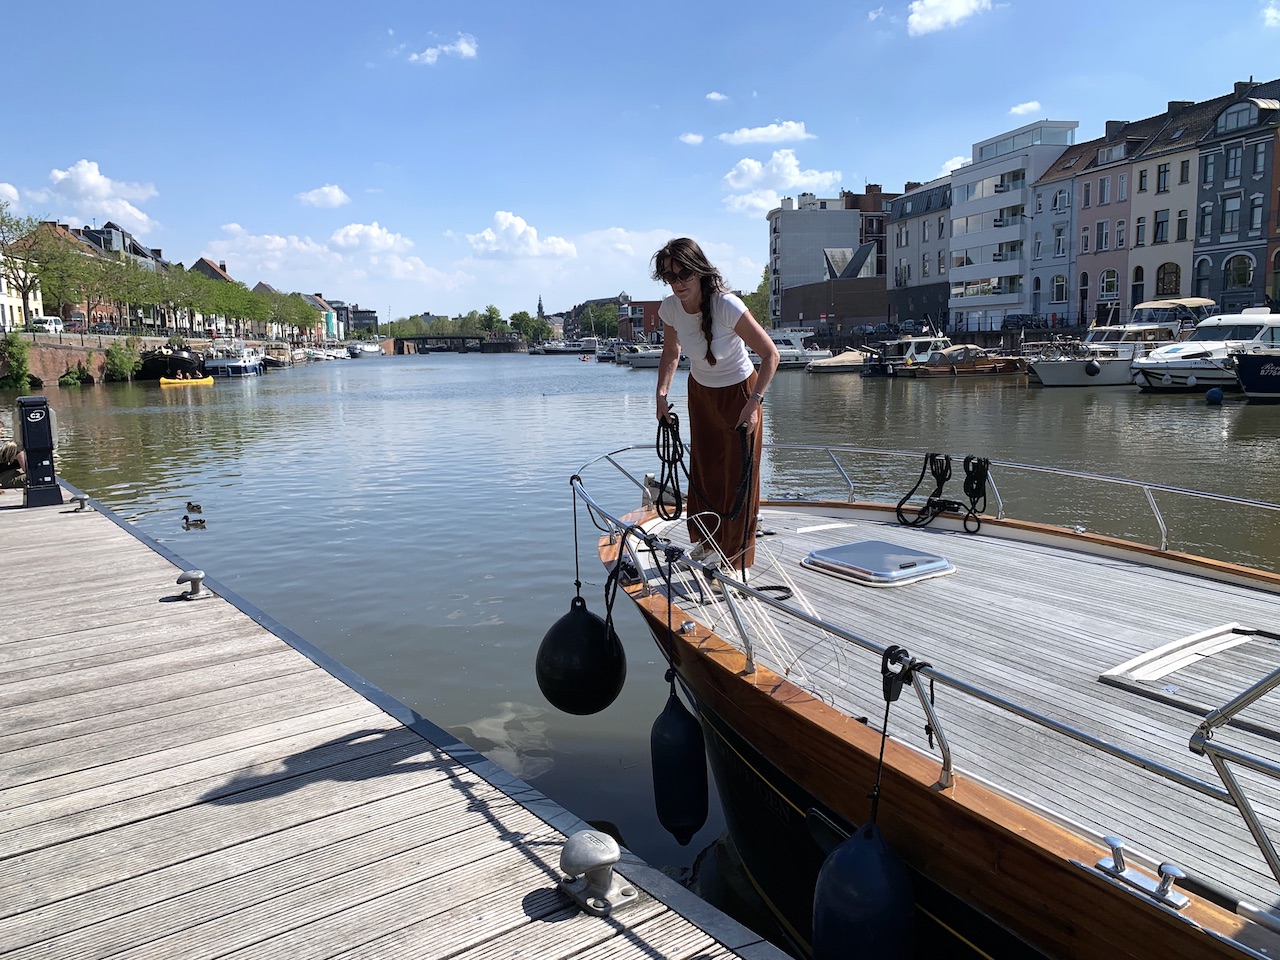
<point>103,327</point>
<point>1022,321</point>
<point>46,325</point>
<point>908,326</point>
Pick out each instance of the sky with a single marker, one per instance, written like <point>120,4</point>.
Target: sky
<point>414,156</point>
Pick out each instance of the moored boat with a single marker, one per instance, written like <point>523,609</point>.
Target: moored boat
<point>232,357</point>
<point>1065,736</point>
<point>794,348</point>
<point>1258,373</point>
<point>169,361</point>
<point>1201,361</point>
<point>848,360</point>
<point>1105,357</point>
<point>890,356</point>
<point>965,360</point>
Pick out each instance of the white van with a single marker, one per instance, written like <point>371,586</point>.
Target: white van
<point>45,325</point>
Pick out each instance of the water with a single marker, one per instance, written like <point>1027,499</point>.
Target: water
<point>412,516</point>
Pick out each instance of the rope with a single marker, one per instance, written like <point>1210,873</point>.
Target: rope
<point>976,471</point>
<point>939,465</point>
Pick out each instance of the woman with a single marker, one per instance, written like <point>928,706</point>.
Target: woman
<point>715,328</point>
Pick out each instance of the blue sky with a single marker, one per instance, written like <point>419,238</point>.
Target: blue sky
<point>423,156</point>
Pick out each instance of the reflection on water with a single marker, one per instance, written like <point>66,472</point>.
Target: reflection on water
<point>412,517</point>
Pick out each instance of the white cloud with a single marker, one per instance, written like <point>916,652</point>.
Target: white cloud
<point>89,194</point>
<point>1022,109</point>
<point>512,236</point>
<point>330,195</point>
<point>929,16</point>
<point>1271,14</point>
<point>950,166</point>
<point>773,133</point>
<point>756,187</point>
<point>465,48</point>
<point>9,193</point>
<point>693,139</point>
<point>369,237</point>
<point>875,14</point>
<point>716,95</point>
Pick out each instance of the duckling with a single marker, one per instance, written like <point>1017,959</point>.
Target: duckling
<point>193,507</point>
<point>189,524</point>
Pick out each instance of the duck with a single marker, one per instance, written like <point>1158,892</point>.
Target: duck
<point>193,507</point>
<point>189,524</point>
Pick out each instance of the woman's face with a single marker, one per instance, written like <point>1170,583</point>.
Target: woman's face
<point>685,284</point>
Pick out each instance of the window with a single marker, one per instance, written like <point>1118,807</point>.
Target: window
<point>1162,178</point>
<point>1160,227</point>
<point>1109,285</point>
<point>1142,181</point>
<point>1084,239</point>
<point>1104,190</point>
<point>942,227</point>
<point>1255,214</point>
<point>1120,237</point>
<point>1210,165</point>
<point>942,262</point>
<point>1168,280</point>
<point>1235,156</point>
<point>1059,293</point>
<point>1203,270</point>
<point>1206,220</point>
<point>1259,159</point>
<point>1238,116</point>
<point>1137,293</point>
<point>1184,171</point>
<point>1084,194</point>
<point>1061,200</point>
<point>1231,215</point>
<point>1237,274</point>
<point>1035,247</point>
<point>1059,241</point>
<point>1104,234</point>
<point>1122,187</point>
<point>1182,224</point>
<point>1039,202</point>
<point>924,231</point>
<point>1140,232</point>
<point>924,265</point>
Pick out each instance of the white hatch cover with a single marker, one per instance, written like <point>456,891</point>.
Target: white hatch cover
<point>875,563</point>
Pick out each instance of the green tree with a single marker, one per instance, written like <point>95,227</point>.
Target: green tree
<point>521,323</point>
<point>16,357</point>
<point>758,302</point>
<point>62,268</point>
<point>491,319</point>
<point>122,360</point>
<point>19,255</point>
<point>599,320</point>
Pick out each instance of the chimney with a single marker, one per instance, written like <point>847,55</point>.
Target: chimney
<point>1243,87</point>
<point>155,252</point>
<point>222,265</point>
<point>873,188</point>
<point>1114,127</point>
<point>911,185</point>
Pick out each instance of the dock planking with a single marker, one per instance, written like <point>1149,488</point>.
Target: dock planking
<point>190,779</point>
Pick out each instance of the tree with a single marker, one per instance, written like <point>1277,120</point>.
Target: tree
<point>63,270</point>
<point>491,319</point>
<point>19,255</point>
<point>599,320</point>
<point>521,322</point>
<point>758,302</point>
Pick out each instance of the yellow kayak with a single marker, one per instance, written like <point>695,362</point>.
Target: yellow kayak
<point>196,382</point>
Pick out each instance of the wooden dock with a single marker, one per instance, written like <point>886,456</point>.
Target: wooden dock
<point>187,779</point>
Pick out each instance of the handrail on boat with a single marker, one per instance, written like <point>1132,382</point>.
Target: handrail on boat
<point>1233,794</point>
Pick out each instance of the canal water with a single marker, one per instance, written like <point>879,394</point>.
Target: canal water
<point>412,516</point>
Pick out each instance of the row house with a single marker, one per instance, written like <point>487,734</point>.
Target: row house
<point>919,223</point>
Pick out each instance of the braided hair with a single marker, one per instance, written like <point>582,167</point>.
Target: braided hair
<point>685,255</point>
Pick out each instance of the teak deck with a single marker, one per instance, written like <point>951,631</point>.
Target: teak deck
<point>188,779</point>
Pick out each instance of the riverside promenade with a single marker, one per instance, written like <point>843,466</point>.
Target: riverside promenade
<point>188,779</point>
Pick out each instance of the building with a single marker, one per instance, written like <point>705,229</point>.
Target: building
<point>919,252</point>
<point>989,227</point>
<point>1237,242</point>
<point>327,325</point>
<point>12,317</point>
<point>800,231</point>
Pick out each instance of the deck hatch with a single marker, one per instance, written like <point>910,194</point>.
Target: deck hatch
<point>875,563</point>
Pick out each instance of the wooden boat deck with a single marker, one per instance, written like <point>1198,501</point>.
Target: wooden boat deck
<point>186,779</point>
<point>1011,621</point>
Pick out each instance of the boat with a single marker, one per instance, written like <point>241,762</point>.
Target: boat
<point>848,360</point>
<point>1201,361</point>
<point>277,353</point>
<point>965,360</point>
<point>1063,736</point>
<point>889,356</point>
<point>168,361</point>
<point>1104,357</point>
<point>647,358</point>
<point>588,345</point>
<point>1258,373</point>
<point>363,348</point>
<point>793,346</point>
<point>232,357</point>
<point>205,381</point>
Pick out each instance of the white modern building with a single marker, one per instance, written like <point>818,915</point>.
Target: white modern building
<point>800,231</point>
<point>989,224</point>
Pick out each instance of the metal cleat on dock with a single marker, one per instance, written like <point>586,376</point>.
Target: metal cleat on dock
<point>588,858</point>
<point>197,590</point>
<point>82,503</point>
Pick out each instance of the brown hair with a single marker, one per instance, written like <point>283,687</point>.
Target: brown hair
<point>686,254</point>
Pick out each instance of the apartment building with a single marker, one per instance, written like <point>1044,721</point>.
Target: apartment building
<point>919,253</point>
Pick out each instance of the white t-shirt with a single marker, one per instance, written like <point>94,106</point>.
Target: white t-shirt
<point>733,363</point>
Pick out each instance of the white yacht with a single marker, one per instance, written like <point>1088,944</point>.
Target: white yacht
<point>231,357</point>
<point>793,348</point>
<point>891,355</point>
<point>1105,357</point>
<point>1201,361</point>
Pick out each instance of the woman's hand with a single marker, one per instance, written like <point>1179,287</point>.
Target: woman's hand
<point>664,408</point>
<point>750,416</point>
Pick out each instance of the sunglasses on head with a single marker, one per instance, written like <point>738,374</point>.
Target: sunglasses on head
<point>671,276</point>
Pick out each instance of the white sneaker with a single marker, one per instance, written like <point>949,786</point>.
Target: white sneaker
<point>701,550</point>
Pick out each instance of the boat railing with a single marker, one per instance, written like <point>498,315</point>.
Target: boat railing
<point>736,594</point>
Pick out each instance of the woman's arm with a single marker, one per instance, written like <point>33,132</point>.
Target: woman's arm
<point>755,337</point>
<point>667,368</point>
